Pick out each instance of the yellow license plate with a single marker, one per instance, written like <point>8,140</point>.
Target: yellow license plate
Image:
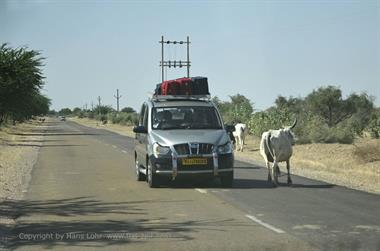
<point>194,161</point>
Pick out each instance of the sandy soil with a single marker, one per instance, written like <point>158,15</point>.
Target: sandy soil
<point>18,154</point>
<point>332,163</point>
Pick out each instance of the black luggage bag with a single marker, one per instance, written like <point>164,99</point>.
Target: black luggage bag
<point>200,86</point>
<point>157,91</point>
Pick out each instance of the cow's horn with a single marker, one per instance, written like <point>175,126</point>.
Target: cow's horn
<point>294,124</point>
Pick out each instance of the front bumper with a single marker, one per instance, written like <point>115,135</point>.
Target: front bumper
<point>217,165</point>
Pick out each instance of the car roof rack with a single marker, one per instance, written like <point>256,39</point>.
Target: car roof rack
<point>180,97</point>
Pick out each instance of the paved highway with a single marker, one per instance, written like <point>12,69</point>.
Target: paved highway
<point>83,196</point>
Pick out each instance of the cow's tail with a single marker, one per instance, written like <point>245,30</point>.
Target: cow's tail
<point>268,145</point>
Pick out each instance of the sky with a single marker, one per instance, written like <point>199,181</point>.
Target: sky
<point>260,49</point>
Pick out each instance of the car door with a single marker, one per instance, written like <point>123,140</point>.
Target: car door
<point>139,145</point>
<point>144,136</point>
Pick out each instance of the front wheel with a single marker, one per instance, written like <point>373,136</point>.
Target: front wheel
<point>139,175</point>
<point>227,180</point>
<point>153,179</point>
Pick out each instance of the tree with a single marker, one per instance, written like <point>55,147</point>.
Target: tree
<point>128,110</point>
<point>293,105</point>
<point>20,83</point>
<point>65,112</point>
<point>364,109</point>
<point>239,109</point>
<point>328,104</point>
<point>77,111</point>
<point>103,109</point>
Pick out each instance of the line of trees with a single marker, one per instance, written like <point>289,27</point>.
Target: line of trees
<point>104,113</point>
<point>323,116</point>
<point>21,80</point>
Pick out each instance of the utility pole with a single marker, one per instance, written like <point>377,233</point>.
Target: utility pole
<point>117,98</point>
<point>175,63</point>
<point>188,57</point>
<point>99,99</point>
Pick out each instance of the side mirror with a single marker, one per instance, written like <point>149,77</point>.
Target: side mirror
<point>229,128</point>
<point>140,129</point>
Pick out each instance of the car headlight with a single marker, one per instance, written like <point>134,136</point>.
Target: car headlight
<point>226,148</point>
<point>160,150</point>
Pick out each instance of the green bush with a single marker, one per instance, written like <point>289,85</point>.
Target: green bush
<point>123,118</point>
<point>373,126</point>
<point>90,115</point>
<point>102,118</point>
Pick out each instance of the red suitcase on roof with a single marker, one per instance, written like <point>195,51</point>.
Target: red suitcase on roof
<point>170,87</point>
<point>185,86</point>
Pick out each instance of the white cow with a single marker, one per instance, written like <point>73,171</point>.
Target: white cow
<point>240,132</point>
<point>277,146</point>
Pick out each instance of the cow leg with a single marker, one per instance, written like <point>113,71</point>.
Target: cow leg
<point>269,171</point>
<point>275,175</point>
<point>235,143</point>
<point>242,144</point>
<point>288,168</point>
<point>278,170</point>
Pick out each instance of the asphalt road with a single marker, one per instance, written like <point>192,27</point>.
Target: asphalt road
<point>83,196</point>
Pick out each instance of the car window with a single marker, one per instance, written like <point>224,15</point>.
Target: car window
<point>164,118</point>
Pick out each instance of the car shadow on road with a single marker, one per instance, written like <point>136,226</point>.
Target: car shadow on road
<point>87,222</point>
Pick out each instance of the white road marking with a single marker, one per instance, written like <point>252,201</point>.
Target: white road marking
<point>201,190</point>
<point>71,173</point>
<point>114,146</point>
<point>124,151</point>
<point>307,227</point>
<point>369,227</point>
<point>270,227</point>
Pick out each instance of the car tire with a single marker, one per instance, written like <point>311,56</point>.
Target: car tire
<point>152,178</point>
<point>139,175</point>
<point>227,180</point>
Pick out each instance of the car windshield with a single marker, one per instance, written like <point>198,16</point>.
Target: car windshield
<point>165,118</point>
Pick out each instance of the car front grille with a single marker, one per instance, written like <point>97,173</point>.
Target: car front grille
<point>193,148</point>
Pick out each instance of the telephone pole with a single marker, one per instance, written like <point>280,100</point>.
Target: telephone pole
<point>117,98</point>
<point>99,99</point>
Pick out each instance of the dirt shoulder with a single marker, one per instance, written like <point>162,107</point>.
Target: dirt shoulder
<point>332,163</point>
<point>19,148</point>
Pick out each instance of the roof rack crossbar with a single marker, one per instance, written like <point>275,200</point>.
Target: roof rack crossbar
<point>180,97</point>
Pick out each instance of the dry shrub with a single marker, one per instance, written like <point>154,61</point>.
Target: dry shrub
<point>368,151</point>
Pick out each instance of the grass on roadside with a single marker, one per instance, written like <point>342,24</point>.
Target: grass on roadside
<point>368,151</point>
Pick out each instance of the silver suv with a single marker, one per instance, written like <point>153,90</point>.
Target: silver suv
<point>182,137</point>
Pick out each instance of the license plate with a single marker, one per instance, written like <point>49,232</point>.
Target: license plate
<point>194,161</point>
